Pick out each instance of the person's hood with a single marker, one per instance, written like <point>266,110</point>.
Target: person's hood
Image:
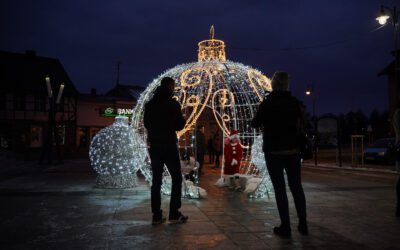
<point>162,93</point>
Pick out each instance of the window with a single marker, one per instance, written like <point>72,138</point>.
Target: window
<point>36,136</point>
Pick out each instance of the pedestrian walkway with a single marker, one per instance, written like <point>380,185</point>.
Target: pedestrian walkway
<point>59,208</point>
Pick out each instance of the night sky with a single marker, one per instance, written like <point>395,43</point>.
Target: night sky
<point>330,42</point>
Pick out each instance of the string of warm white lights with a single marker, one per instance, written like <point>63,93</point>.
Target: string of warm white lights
<point>111,154</point>
<point>232,91</point>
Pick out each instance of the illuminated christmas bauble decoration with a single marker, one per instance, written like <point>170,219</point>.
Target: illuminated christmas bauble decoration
<point>229,90</point>
<point>111,154</point>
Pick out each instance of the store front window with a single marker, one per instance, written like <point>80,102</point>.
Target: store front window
<point>36,136</point>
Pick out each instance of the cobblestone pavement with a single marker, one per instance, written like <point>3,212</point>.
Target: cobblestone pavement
<point>59,208</point>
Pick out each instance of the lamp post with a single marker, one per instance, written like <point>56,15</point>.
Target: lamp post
<point>382,19</point>
<point>311,92</point>
<point>52,128</point>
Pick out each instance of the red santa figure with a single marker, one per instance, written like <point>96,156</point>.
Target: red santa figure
<point>232,156</point>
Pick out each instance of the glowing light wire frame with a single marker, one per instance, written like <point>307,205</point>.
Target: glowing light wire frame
<point>232,90</point>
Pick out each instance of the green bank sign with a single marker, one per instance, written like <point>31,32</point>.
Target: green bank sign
<point>110,111</point>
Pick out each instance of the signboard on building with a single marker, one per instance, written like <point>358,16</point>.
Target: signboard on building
<point>110,111</point>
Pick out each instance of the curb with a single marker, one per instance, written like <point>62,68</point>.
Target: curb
<point>371,170</point>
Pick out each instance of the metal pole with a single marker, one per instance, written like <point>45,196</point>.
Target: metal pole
<point>394,15</point>
<point>339,135</point>
<point>352,152</point>
<point>47,145</point>
<point>315,127</point>
<point>313,98</point>
<point>362,151</point>
<point>55,131</point>
<point>396,63</point>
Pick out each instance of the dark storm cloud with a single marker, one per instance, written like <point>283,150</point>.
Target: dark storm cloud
<point>329,42</point>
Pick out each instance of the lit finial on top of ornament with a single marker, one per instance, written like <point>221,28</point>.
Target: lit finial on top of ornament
<point>212,49</point>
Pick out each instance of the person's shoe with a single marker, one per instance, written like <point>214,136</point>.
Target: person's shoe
<point>177,218</point>
<point>158,219</point>
<point>283,231</point>
<point>303,228</point>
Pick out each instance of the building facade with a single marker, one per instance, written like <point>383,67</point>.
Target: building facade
<point>25,105</point>
<point>98,111</point>
<point>24,101</point>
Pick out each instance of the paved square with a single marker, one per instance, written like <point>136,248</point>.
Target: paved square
<point>59,208</point>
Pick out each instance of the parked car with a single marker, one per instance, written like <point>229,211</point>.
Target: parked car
<point>380,152</point>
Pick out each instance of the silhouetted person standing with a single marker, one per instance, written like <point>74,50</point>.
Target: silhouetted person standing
<point>217,146</point>
<point>200,147</point>
<point>396,126</point>
<point>211,155</point>
<point>281,116</point>
<point>162,118</point>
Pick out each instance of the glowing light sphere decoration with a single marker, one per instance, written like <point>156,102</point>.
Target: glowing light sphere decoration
<point>230,90</point>
<point>111,154</point>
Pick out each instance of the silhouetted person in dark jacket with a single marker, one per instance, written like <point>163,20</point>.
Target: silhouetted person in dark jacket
<point>211,154</point>
<point>281,116</point>
<point>217,146</point>
<point>200,147</point>
<point>162,118</point>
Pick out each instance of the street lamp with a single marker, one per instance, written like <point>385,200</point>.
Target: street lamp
<point>52,126</point>
<point>312,93</point>
<point>382,19</point>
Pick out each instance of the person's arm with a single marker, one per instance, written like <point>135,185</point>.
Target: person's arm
<point>258,119</point>
<point>178,120</point>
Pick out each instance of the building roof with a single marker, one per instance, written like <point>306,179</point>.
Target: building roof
<point>103,98</point>
<point>27,72</point>
<point>130,92</point>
